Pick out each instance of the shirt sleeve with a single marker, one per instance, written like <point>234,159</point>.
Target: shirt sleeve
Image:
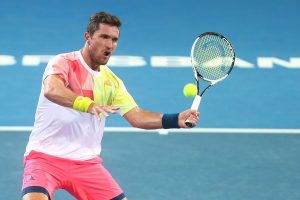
<point>58,65</point>
<point>123,99</point>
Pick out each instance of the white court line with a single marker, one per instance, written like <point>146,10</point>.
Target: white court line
<point>166,131</point>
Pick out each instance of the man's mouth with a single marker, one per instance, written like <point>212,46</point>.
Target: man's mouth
<point>107,53</point>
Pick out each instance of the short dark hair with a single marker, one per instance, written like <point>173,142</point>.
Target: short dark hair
<point>102,18</point>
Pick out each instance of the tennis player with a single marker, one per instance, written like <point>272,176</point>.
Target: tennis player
<point>78,92</point>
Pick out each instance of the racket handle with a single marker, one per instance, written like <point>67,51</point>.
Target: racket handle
<point>195,106</point>
<point>196,103</point>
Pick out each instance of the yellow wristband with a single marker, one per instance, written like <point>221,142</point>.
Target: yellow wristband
<point>82,103</point>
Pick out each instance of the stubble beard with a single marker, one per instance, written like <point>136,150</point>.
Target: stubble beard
<point>96,62</point>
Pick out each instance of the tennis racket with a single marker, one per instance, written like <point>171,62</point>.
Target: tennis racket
<point>212,57</point>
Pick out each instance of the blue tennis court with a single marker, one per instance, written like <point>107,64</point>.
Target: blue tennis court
<point>193,166</point>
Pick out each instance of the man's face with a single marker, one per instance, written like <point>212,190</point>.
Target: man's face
<point>102,43</point>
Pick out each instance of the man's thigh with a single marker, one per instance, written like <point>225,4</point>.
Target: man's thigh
<point>93,181</point>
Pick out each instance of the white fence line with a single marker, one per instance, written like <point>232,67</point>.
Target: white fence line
<point>166,131</point>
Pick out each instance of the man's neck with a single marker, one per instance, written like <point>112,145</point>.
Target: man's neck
<point>88,60</point>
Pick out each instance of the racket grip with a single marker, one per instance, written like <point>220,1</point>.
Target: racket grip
<point>195,106</point>
<point>196,102</point>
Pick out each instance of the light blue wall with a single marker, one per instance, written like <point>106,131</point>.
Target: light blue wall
<point>254,97</point>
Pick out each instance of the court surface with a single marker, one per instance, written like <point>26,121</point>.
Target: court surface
<point>190,166</point>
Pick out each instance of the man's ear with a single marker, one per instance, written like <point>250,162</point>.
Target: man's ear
<point>87,37</point>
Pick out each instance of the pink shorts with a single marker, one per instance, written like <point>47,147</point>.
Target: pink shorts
<point>85,180</point>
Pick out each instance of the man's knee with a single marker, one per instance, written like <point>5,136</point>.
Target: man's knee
<point>35,196</point>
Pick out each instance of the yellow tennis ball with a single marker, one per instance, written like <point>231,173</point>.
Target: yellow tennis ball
<point>190,90</point>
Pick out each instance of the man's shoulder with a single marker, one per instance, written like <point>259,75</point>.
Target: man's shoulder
<point>107,71</point>
<point>71,56</point>
<point>64,58</point>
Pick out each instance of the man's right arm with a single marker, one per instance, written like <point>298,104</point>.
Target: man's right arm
<point>56,91</point>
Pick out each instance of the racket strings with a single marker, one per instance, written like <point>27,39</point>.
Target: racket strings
<point>213,57</point>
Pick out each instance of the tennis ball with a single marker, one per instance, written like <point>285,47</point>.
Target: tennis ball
<point>190,90</point>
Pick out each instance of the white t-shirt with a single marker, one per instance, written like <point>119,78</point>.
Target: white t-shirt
<point>67,133</point>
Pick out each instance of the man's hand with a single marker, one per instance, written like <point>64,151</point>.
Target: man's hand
<point>192,115</point>
<point>101,111</point>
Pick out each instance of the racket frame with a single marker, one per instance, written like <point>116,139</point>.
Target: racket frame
<point>198,97</point>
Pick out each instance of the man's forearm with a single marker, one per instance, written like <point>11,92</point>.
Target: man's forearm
<point>55,91</point>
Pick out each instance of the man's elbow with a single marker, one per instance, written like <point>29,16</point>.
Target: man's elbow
<point>134,117</point>
<point>49,91</point>
<point>135,124</point>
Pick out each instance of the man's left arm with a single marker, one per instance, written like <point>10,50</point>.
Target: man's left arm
<point>144,119</point>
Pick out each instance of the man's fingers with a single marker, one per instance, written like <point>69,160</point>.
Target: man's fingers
<point>103,111</point>
<point>195,113</point>
<point>192,117</point>
<point>113,109</point>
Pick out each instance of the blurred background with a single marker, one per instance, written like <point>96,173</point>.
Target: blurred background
<point>262,91</point>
